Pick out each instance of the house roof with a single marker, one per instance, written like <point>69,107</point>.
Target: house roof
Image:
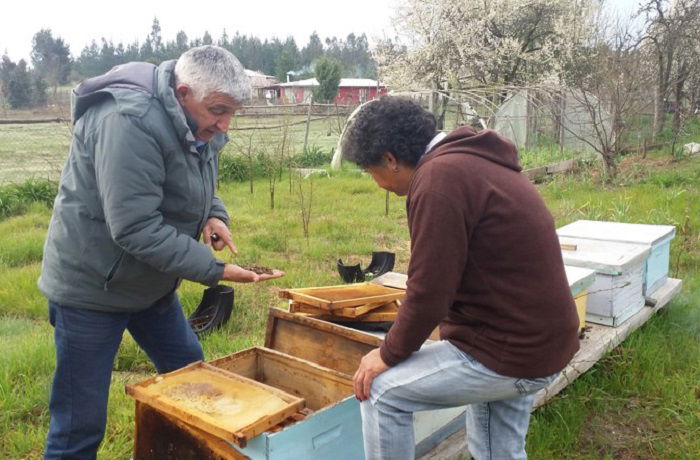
<point>344,82</point>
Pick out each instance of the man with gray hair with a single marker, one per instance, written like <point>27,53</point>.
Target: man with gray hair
<point>136,194</point>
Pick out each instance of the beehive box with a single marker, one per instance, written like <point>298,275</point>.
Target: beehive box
<point>616,293</point>
<point>333,429</point>
<point>304,357</point>
<point>580,279</point>
<point>656,237</point>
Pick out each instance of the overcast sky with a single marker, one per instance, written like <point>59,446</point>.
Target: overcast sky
<point>80,21</point>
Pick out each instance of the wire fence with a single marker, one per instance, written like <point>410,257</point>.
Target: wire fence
<point>34,145</point>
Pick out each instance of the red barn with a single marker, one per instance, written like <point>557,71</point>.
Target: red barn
<point>351,91</point>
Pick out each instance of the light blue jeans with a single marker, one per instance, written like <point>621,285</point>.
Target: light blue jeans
<point>439,376</point>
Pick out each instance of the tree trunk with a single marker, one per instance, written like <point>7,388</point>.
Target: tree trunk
<point>678,96</point>
<point>658,110</point>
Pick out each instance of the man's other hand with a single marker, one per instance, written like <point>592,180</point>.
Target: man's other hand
<point>371,366</point>
<point>215,226</point>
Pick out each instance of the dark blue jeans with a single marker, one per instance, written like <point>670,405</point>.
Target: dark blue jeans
<point>86,344</point>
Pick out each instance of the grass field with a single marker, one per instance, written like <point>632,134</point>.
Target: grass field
<point>640,401</point>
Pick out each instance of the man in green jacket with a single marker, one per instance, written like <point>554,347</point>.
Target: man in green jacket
<point>135,196</point>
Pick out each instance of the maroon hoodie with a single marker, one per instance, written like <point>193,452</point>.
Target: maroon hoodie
<point>486,263</point>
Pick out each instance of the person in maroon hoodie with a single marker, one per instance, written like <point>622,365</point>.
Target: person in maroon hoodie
<point>485,266</point>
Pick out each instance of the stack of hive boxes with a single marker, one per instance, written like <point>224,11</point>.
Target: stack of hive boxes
<point>361,302</point>
<point>631,262</point>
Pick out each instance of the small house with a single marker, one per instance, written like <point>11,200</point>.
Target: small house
<point>351,91</point>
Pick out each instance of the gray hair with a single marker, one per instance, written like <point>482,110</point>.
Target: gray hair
<point>212,69</point>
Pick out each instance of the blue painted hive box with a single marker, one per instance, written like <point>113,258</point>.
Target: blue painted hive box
<point>656,237</point>
<point>616,293</point>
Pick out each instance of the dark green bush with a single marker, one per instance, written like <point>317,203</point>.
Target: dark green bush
<point>15,198</point>
<point>239,167</point>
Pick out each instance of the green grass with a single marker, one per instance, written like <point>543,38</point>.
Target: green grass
<point>640,401</point>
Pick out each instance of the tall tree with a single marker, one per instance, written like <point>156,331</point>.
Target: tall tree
<point>15,82</point>
<point>672,31</point>
<point>312,51</point>
<point>51,58</point>
<point>156,40</point>
<point>327,72</point>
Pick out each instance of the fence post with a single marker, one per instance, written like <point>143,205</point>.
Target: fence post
<point>308,124</point>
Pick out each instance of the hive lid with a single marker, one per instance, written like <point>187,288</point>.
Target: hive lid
<point>222,403</point>
<point>618,231</point>
<point>606,257</point>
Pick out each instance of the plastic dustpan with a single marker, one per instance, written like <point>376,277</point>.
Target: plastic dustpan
<point>214,309</point>
<point>381,263</point>
<point>350,273</point>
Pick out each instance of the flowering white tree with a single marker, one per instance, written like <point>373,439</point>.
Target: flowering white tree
<point>672,38</point>
<point>444,44</point>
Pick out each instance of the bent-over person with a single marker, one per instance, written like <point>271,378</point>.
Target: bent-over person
<point>485,266</point>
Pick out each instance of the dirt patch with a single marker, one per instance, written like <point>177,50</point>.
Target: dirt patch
<point>618,436</point>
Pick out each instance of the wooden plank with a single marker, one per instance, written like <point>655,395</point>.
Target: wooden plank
<point>327,344</point>
<point>561,166</point>
<point>347,312</point>
<point>392,279</point>
<point>535,174</point>
<point>279,317</point>
<point>206,396</point>
<point>601,339</point>
<point>318,386</point>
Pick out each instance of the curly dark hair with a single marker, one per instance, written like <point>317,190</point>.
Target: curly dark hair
<point>390,124</point>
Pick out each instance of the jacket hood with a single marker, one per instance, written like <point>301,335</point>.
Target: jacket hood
<point>136,76</point>
<point>487,144</point>
<point>125,81</point>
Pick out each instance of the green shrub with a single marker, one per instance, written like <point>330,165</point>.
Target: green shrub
<point>238,168</point>
<point>15,198</point>
<point>313,156</point>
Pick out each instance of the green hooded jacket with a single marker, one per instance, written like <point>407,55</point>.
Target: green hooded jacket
<point>133,198</point>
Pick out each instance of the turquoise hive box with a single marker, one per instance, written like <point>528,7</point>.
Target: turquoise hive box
<point>656,237</point>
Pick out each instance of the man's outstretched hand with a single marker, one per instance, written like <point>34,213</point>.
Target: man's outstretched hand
<point>241,275</point>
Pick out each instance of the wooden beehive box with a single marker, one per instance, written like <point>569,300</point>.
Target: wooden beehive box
<point>306,358</point>
<point>580,279</point>
<point>656,237</point>
<point>616,293</point>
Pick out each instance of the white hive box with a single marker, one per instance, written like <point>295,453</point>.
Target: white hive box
<point>616,293</point>
<point>656,237</point>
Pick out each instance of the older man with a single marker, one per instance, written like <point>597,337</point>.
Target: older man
<point>135,196</point>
